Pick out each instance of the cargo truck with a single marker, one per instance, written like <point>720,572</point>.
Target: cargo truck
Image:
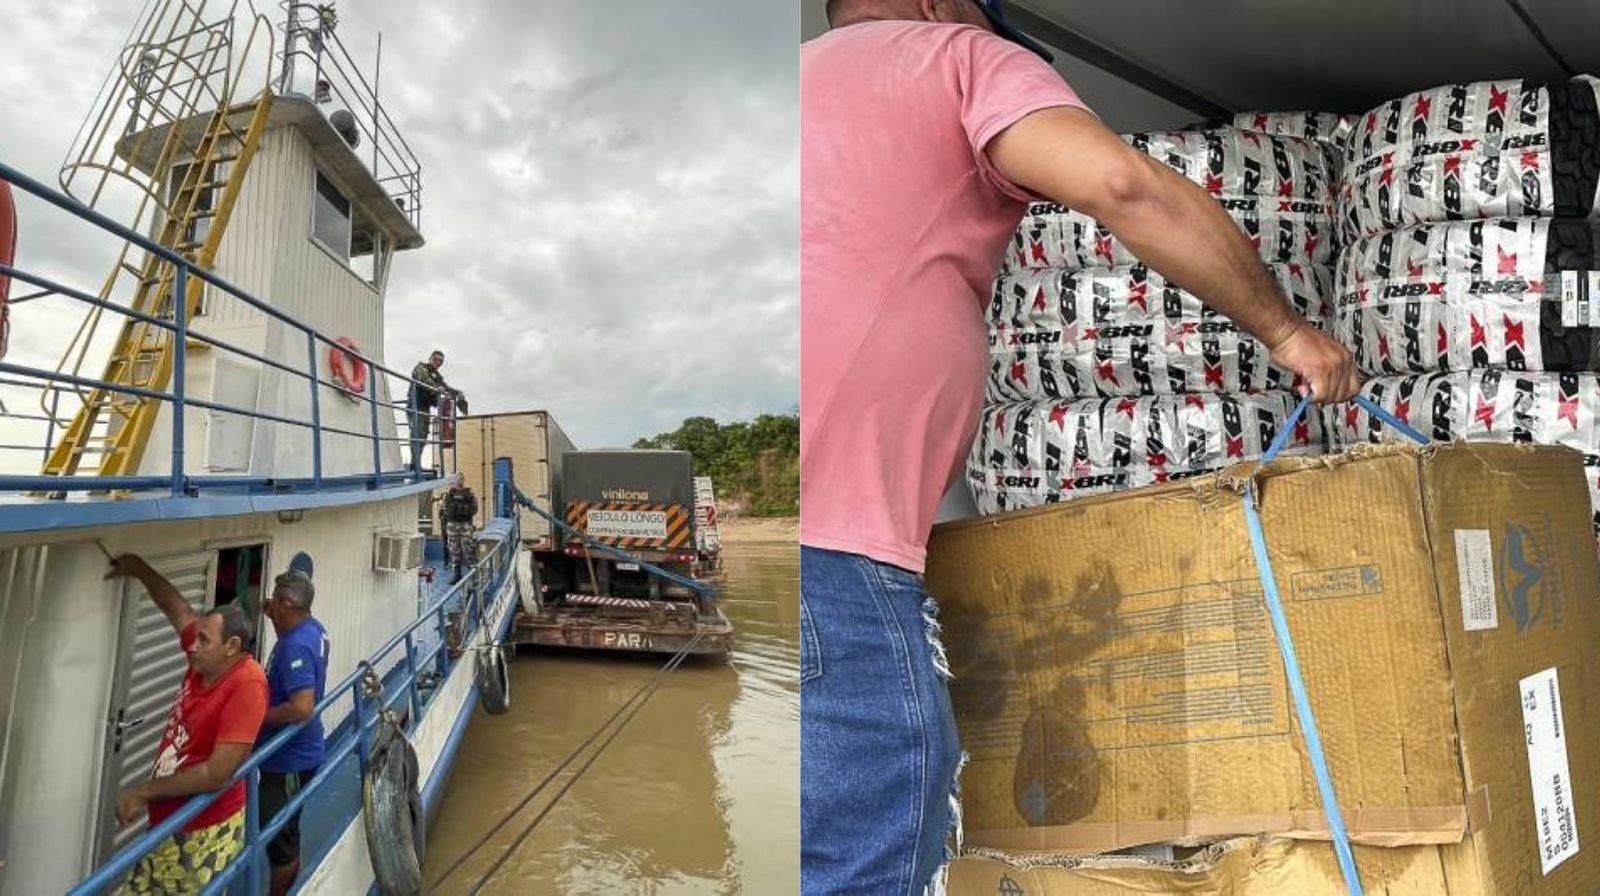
<point>535,443</point>
<point>641,503</point>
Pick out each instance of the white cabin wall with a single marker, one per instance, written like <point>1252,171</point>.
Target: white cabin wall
<point>57,729</point>
<point>268,252</point>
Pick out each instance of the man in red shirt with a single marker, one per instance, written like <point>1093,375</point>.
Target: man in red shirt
<point>210,731</point>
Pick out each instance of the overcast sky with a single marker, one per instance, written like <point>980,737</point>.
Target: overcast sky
<point>610,195</point>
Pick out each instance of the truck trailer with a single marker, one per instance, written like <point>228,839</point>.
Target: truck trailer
<point>626,510</point>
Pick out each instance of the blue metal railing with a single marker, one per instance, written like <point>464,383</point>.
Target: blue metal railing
<point>310,37</point>
<point>468,595</point>
<point>181,333</point>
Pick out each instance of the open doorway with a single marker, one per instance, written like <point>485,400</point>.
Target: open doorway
<point>240,571</point>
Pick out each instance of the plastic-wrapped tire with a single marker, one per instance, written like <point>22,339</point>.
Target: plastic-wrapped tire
<point>1479,406</point>
<point>1279,190</point>
<point>1031,453</point>
<point>1472,294</point>
<point>1328,127</point>
<point>1127,331</point>
<point>1492,149</point>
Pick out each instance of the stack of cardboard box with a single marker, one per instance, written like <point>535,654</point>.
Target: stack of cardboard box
<point>1117,682</point>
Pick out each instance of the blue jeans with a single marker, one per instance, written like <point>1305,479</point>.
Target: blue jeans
<point>878,748</point>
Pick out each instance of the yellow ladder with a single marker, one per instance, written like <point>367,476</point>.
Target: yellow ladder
<point>117,425</point>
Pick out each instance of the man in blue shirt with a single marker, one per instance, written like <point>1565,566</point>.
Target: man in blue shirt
<point>297,677</point>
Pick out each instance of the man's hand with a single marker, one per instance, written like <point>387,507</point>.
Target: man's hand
<point>1324,364</point>
<point>127,566</point>
<point>131,804</point>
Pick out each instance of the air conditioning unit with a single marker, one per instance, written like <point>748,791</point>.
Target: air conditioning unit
<point>396,551</point>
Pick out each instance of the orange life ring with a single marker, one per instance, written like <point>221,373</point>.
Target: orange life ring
<point>353,379</point>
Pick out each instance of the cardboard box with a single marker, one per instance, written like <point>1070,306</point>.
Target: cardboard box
<point>1117,681</point>
<point>1246,866</point>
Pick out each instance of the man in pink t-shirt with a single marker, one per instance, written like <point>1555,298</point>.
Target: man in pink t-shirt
<point>925,127</point>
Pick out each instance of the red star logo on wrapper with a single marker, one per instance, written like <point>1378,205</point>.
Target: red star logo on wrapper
<point>1058,416</point>
<point>1187,328</point>
<point>1311,244</point>
<point>1136,296</point>
<point>1261,121</point>
<point>1302,431</point>
<point>1039,300</point>
<point>1485,415</point>
<point>1508,261</point>
<point>1530,160</point>
<point>1478,335</point>
<point>1158,460</point>
<point>1568,410</point>
<point>1195,401</point>
<point>1000,423</point>
<point>1037,250</point>
<point>1104,371</point>
<point>1236,446</point>
<point>1372,121</point>
<point>1091,332</point>
<point>1436,288</point>
<point>1383,345</point>
<point>1102,246</point>
<point>1444,340</point>
<point>1351,415</point>
<point>1402,409</point>
<point>1018,373</point>
<point>1296,271</point>
<point>1127,406</point>
<point>1287,187</point>
<point>1413,269</point>
<point>1213,184</point>
<point>1452,165</point>
<point>1424,106</point>
<point>1513,333</point>
<point>1497,99</point>
<point>1214,375</point>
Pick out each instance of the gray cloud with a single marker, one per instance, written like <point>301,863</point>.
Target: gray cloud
<point>610,196</point>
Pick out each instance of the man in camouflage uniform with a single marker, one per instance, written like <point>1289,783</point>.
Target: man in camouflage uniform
<point>458,508</point>
<point>423,396</point>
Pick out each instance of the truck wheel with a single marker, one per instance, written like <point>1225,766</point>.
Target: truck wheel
<point>1469,294</point>
<point>1491,149</point>
<point>1128,331</point>
<point>1279,190</point>
<point>1043,452</point>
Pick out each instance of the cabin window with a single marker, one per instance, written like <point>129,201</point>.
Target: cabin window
<point>330,219</point>
<point>370,250</point>
<point>349,235</point>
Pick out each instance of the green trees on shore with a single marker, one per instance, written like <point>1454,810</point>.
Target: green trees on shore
<point>754,464</point>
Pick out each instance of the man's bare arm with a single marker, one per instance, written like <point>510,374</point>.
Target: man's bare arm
<point>167,598</point>
<point>202,777</point>
<point>292,711</point>
<point>1173,225</point>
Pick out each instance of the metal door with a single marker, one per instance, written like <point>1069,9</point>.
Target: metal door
<point>150,667</point>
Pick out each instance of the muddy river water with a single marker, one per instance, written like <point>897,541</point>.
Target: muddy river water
<point>699,793</point>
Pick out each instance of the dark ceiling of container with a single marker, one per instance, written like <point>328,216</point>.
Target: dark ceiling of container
<point>1164,63</point>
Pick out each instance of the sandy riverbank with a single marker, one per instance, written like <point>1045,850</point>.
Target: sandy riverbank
<point>750,528</point>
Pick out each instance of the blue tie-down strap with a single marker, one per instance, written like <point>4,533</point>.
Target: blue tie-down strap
<point>1280,628</point>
